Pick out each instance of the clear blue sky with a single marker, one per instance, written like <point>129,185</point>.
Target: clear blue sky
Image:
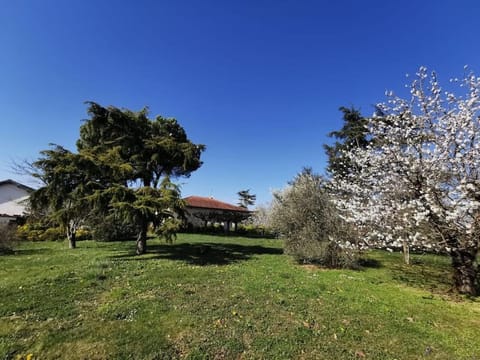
<point>258,82</point>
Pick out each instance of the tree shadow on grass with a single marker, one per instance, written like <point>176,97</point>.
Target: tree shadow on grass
<point>436,278</point>
<point>25,252</point>
<point>369,263</point>
<point>430,273</point>
<point>204,254</point>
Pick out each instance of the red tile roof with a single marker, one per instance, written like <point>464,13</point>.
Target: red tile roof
<point>211,203</point>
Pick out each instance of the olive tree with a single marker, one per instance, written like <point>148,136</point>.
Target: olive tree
<point>306,218</point>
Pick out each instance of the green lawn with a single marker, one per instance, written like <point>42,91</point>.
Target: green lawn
<point>208,297</point>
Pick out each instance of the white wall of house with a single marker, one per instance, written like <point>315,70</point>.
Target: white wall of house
<point>9,192</point>
<point>12,199</point>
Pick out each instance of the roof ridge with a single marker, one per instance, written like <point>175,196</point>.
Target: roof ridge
<point>212,203</point>
<point>20,185</point>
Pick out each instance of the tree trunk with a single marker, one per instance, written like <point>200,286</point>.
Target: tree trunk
<point>464,270</point>
<point>142,240</point>
<point>72,234</point>
<point>72,239</point>
<point>406,253</point>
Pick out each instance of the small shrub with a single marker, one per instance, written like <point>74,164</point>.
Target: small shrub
<point>328,254</point>
<point>8,238</point>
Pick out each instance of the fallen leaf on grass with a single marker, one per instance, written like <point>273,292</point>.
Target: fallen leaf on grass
<point>360,354</point>
<point>219,323</point>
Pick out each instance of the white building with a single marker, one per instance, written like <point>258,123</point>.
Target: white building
<point>13,200</point>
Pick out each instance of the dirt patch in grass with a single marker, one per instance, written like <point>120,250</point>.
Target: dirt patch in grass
<point>311,267</point>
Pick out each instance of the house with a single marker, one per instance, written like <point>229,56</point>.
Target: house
<point>201,212</point>
<point>13,199</point>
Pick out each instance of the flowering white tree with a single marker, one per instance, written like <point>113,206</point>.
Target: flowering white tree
<point>417,184</point>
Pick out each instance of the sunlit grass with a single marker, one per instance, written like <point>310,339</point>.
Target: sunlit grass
<point>208,297</point>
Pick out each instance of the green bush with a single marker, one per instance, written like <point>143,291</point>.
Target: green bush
<point>35,231</point>
<point>31,232</point>
<point>310,225</point>
<point>40,232</point>
<point>252,230</point>
<point>28,232</point>
<point>83,234</point>
<point>110,229</point>
<point>53,234</point>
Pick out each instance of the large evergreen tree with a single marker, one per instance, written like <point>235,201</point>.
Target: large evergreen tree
<point>146,155</point>
<point>353,134</point>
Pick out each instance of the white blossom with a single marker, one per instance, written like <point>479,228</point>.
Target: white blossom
<point>419,181</point>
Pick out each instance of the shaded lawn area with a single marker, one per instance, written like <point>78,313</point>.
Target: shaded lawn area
<point>213,297</point>
<point>204,253</point>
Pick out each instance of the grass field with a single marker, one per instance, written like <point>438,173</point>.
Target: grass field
<point>208,297</point>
